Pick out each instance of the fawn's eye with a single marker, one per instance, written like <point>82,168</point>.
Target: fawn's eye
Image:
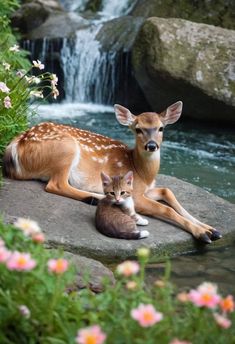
<point>161,129</point>
<point>138,131</point>
<point>123,192</point>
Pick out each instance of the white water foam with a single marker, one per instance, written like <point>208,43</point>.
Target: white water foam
<point>71,110</point>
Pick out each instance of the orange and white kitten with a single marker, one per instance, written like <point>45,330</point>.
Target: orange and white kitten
<point>115,214</point>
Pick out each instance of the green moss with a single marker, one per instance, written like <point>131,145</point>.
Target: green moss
<point>93,5</point>
<point>219,12</point>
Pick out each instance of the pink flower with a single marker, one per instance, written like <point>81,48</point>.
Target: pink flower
<point>20,262</point>
<point>58,266</point>
<point>15,48</point>
<point>20,73</point>
<point>146,315</point>
<point>128,268</point>
<point>204,296</point>
<point>24,311</point>
<point>91,335</point>
<point>38,238</point>
<point>4,88</point>
<point>7,102</point>
<point>4,254</point>
<point>177,341</point>
<point>38,64</point>
<point>27,226</point>
<point>222,321</point>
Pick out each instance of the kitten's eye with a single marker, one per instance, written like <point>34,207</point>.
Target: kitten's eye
<point>138,131</point>
<point>123,192</point>
<point>161,129</point>
<point>112,193</point>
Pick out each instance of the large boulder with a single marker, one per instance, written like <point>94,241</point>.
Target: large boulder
<point>70,224</point>
<point>33,14</point>
<point>174,59</point>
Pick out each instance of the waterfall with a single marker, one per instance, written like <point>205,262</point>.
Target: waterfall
<point>90,74</point>
<point>87,74</point>
<point>116,8</point>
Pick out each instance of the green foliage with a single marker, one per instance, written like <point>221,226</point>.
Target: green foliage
<point>56,316</point>
<point>14,120</point>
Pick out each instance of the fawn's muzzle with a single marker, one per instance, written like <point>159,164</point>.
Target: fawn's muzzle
<point>151,146</point>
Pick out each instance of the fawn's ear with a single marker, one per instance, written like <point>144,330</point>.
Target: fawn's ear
<point>129,177</point>
<point>172,113</point>
<point>123,115</point>
<point>106,180</point>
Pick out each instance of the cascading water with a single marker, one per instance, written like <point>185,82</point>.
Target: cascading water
<point>90,73</point>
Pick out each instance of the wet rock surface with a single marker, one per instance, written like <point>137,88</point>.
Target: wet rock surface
<point>69,224</point>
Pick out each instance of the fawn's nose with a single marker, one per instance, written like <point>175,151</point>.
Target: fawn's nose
<point>151,146</point>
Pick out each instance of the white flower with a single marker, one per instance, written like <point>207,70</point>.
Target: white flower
<point>38,64</point>
<point>20,73</point>
<point>15,48</point>
<point>55,92</point>
<point>7,102</point>
<point>4,88</point>
<point>28,227</point>
<point>37,94</point>
<point>32,79</point>
<point>54,80</point>
<point>6,65</point>
<point>24,311</point>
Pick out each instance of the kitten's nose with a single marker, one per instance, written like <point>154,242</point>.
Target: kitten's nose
<point>118,200</point>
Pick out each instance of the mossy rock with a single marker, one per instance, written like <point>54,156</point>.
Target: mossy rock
<point>177,59</point>
<point>219,12</point>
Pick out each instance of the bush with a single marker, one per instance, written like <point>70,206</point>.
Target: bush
<point>18,87</point>
<point>35,307</point>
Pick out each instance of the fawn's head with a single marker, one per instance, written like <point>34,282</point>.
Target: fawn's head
<point>148,126</point>
<point>117,188</point>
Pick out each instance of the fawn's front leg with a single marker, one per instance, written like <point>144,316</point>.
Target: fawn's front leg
<point>166,195</point>
<point>147,206</point>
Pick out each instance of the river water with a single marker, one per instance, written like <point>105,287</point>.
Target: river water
<point>200,154</point>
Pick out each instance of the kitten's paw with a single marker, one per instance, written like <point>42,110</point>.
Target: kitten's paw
<point>144,234</point>
<point>141,221</point>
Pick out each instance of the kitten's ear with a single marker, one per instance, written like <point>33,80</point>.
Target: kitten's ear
<point>129,177</point>
<point>123,115</point>
<point>106,180</point>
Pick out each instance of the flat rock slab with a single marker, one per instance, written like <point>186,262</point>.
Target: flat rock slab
<point>70,224</point>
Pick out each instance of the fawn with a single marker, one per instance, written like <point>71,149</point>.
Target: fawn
<point>71,160</point>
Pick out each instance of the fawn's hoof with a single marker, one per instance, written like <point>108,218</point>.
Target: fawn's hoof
<point>215,235</point>
<point>205,238</point>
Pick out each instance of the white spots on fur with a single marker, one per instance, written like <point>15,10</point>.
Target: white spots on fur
<point>73,173</point>
<point>14,154</point>
<point>119,164</point>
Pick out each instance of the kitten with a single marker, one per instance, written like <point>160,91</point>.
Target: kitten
<point>115,214</point>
